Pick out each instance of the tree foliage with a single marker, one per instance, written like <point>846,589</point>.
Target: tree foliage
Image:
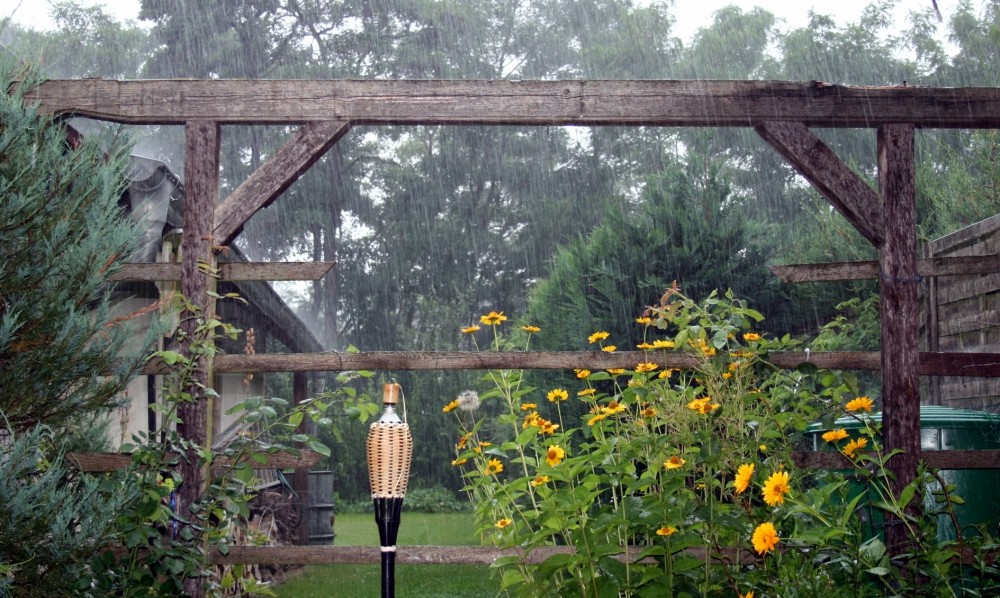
<point>62,233</point>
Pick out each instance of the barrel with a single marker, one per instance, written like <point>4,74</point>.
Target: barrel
<point>945,428</point>
<point>319,515</point>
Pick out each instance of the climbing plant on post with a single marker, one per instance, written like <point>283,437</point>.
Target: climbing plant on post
<point>201,168</point>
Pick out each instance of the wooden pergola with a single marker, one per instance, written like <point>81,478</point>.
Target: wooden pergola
<point>781,112</point>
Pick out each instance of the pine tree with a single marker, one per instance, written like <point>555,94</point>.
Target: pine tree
<point>62,233</point>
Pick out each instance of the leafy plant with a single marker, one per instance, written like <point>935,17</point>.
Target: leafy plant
<point>682,482</point>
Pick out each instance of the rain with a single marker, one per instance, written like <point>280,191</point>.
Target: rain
<point>570,229</point>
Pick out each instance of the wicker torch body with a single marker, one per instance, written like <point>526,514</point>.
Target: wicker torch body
<point>390,450</point>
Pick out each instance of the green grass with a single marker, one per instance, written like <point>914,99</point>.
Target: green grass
<point>412,581</point>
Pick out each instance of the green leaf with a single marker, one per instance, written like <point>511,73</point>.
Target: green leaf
<point>318,447</point>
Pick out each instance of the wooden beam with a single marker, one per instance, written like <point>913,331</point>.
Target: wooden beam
<point>276,174</point>
<point>939,266</point>
<point>944,460</point>
<point>835,181</point>
<point>899,316</point>
<point>105,462</point>
<point>233,271</point>
<point>505,102</point>
<point>930,363</point>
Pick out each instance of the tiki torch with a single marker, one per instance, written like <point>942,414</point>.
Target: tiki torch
<point>390,448</point>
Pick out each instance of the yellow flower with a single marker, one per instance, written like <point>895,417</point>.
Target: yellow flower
<point>539,480</point>
<point>644,320</point>
<point>528,406</point>
<point>674,462</point>
<point>644,346</point>
<point>504,522</point>
<point>663,344</point>
<point>747,595</point>
<point>548,427</point>
<point>859,404</point>
<point>776,487</point>
<point>743,475</point>
<point>703,405</point>
<point>531,329</point>
<point>664,374</point>
<point>532,419</point>
<point>616,371</point>
<point>762,448</point>
<point>557,394</point>
<point>597,336</point>
<point>554,455</point>
<point>493,318</point>
<point>596,418</point>
<point>854,446</point>
<point>450,406</point>
<point>581,374</point>
<point>613,407</point>
<point>835,435</point>
<point>587,392</point>
<point>726,375</point>
<point>463,440</point>
<point>470,329</point>
<point>493,467</point>
<point>457,462</point>
<point>666,530</point>
<point>765,538</point>
<point>609,348</point>
<point>647,366</point>
<point>648,412</point>
<point>751,337</point>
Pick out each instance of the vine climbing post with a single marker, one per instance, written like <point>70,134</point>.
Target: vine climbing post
<point>899,315</point>
<point>201,186</point>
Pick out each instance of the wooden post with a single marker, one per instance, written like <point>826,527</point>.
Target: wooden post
<point>899,316</point>
<point>301,481</point>
<point>201,186</point>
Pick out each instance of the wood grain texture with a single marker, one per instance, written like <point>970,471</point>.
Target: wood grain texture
<point>234,271</point>
<point>274,176</point>
<point>835,181</point>
<point>867,270</point>
<point>580,102</point>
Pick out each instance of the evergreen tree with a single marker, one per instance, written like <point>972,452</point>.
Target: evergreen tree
<point>62,233</point>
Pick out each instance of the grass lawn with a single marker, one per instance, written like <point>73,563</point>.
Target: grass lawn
<point>424,581</point>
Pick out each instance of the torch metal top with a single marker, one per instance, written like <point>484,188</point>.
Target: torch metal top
<point>390,394</point>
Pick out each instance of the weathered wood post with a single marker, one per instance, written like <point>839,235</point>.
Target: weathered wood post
<point>899,315</point>
<point>201,191</point>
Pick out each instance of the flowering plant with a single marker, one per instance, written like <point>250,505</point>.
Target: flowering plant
<point>676,481</point>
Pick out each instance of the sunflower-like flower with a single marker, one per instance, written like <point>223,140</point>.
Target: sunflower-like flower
<point>644,320</point>
<point>859,404</point>
<point>663,344</point>
<point>458,462</point>
<point>743,475</point>
<point>531,329</point>
<point>582,373</point>
<point>646,366</point>
<point>854,446</point>
<point>666,530</point>
<point>835,435</point>
<point>613,407</point>
<point>450,406</point>
<point>596,418</point>
<point>540,480</point>
<point>703,405</point>
<point>587,392</point>
<point>674,462</point>
<point>765,538</point>
<point>557,394</point>
<point>776,487</point>
<point>503,523</point>
<point>470,329</point>
<point>597,336</point>
<point>528,406</point>
<point>751,337</point>
<point>493,467</point>
<point>493,318</point>
<point>554,455</point>
<point>609,348</point>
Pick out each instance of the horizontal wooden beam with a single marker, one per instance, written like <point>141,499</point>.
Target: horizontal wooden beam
<point>505,102</point>
<point>868,270</point>
<point>105,462</point>
<point>979,459</point>
<point>234,271</point>
<point>931,364</point>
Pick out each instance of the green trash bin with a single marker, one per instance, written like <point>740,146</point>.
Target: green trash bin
<point>943,428</point>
